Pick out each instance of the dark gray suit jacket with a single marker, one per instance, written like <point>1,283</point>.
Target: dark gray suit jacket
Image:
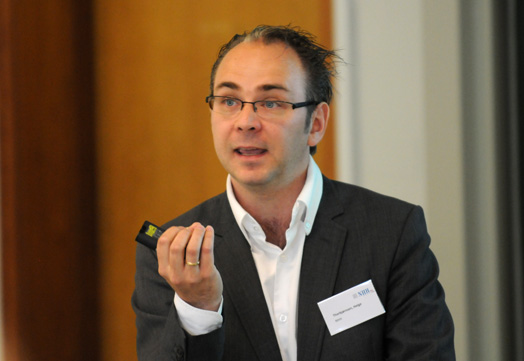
<point>357,235</point>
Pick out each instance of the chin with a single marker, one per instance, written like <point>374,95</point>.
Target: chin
<point>250,180</point>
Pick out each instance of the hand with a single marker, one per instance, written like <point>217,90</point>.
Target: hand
<point>186,261</point>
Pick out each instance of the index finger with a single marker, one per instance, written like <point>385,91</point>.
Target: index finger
<point>164,243</point>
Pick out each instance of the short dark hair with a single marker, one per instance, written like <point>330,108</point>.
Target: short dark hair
<point>318,62</point>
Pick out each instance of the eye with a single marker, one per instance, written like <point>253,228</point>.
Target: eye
<point>271,104</point>
<point>230,102</point>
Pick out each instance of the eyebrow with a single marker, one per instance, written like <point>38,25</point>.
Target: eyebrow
<point>268,87</point>
<point>265,87</point>
<point>227,84</point>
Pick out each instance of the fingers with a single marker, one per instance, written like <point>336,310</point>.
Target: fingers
<point>186,262</point>
<point>180,248</point>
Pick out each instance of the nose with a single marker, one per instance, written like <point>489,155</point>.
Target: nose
<point>248,119</point>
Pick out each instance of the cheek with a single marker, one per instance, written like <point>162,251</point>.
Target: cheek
<point>297,134</point>
<point>217,130</point>
<point>218,144</point>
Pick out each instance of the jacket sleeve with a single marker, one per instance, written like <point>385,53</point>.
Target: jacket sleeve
<point>159,334</point>
<point>419,324</point>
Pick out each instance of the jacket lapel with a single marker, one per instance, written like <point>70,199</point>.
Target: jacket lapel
<point>235,263</point>
<point>321,259</point>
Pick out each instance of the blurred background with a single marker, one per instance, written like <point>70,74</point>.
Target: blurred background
<point>104,125</point>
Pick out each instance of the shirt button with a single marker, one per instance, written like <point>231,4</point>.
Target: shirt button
<point>256,229</point>
<point>283,318</point>
<point>308,225</point>
<point>283,258</point>
<point>179,353</point>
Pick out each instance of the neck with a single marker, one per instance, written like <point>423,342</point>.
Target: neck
<point>271,208</point>
<point>265,203</point>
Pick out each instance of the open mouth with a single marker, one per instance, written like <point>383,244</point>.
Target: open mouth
<point>250,151</point>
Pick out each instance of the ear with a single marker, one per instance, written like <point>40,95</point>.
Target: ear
<point>319,121</point>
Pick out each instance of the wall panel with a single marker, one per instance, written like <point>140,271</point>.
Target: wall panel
<point>49,257</point>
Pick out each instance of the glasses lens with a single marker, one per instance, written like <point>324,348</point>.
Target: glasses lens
<point>271,109</point>
<point>225,105</point>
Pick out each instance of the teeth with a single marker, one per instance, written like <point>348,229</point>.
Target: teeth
<point>250,151</point>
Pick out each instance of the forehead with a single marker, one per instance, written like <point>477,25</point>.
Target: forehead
<point>253,65</point>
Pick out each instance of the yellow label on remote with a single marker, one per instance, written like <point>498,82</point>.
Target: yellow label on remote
<point>151,231</point>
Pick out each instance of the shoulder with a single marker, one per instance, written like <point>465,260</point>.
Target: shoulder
<point>206,212</point>
<point>369,211</point>
<point>351,196</point>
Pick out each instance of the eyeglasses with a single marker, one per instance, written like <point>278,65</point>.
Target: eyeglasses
<point>267,109</point>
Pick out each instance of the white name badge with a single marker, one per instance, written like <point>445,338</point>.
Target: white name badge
<point>351,307</point>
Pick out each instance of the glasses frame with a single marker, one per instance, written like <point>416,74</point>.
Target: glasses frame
<point>294,106</point>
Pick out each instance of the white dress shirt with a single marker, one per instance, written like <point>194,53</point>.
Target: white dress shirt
<point>278,269</point>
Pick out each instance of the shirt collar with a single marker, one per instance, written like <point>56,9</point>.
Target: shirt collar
<point>305,208</point>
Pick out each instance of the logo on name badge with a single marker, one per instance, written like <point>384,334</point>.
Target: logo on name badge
<point>364,292</point>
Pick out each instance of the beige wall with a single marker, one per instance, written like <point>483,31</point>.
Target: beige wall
<point>421,126</point>
<point>154,147</point>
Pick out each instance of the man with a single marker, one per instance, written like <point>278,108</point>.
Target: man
<point>240,276</point>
